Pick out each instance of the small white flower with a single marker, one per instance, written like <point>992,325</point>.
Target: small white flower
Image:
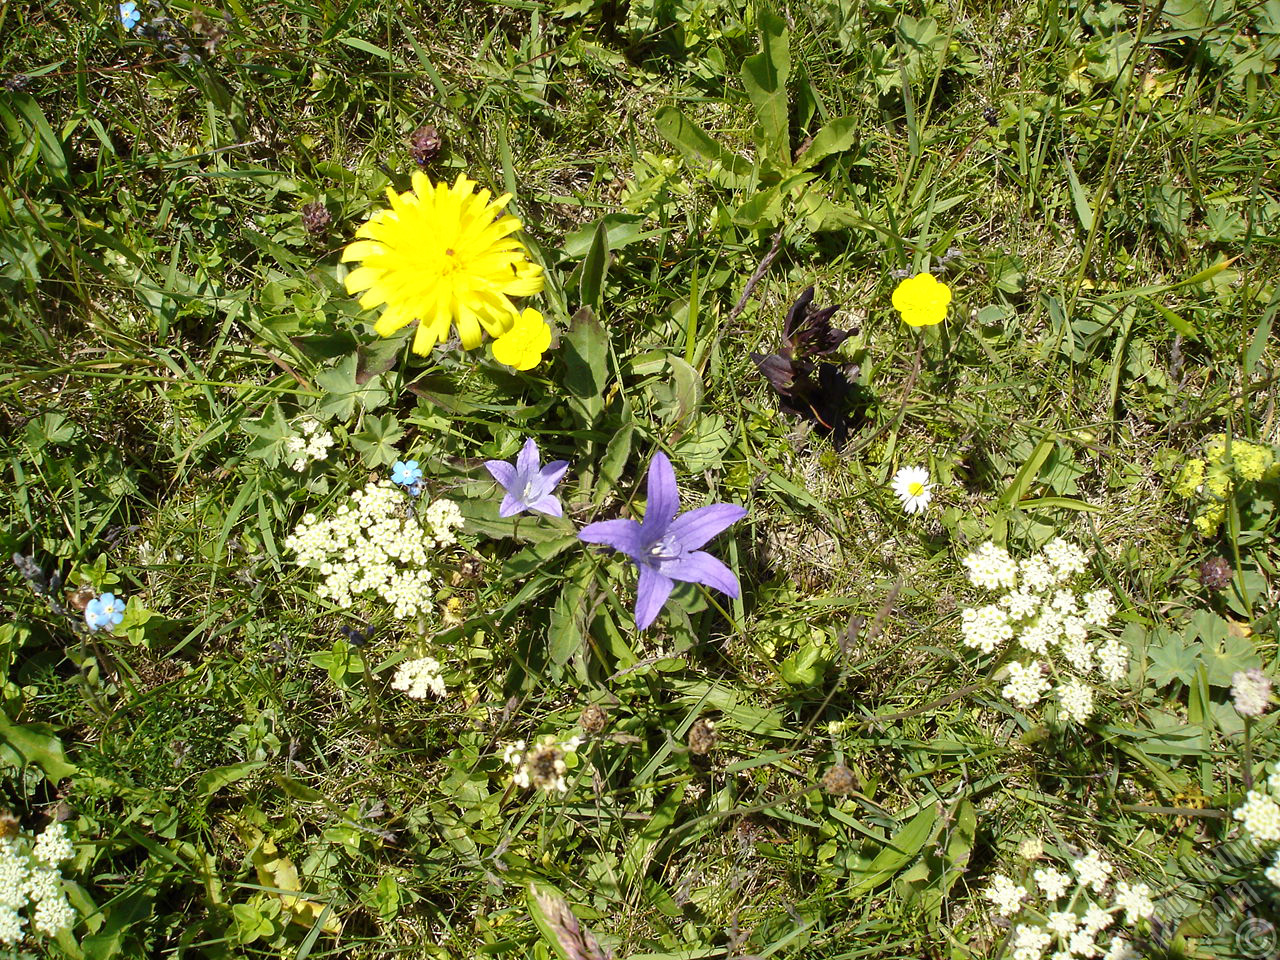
<point>1052,882</point>
<point>1026,684</point>
<point>1076,701</point>
<point>1037,574</point>
<point>911,485</point>
<point>1005,894</point>
<point>1063,923</point>
<point>418,677</point>
<point>1099,608</point>
<point>1273,872</point>
<point>1066,557</point>
<point>1092,870</point>
<point>991,567</point>
<point>1260,815</point>
<point>11,924</point>
<point>1096,919</point>
<point>1020,603</point>
<point>1031,848</point>
<point>1083,944</point>
<point>1121,950</point>
<point>1030,942</point>
<point>1113,660</point>
<point>52,915</point>
<point>1135,900</point>
<point>1251,692</point>
<point>985,628</point>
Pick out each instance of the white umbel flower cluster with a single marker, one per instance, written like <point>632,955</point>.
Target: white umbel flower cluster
<point>1260,817</point>
<point>373,545</point>
<point>1042,612</point>
<point>312,444</point>
<point>30,879</point>
<point>419,677</point>
<point>1065,915</point>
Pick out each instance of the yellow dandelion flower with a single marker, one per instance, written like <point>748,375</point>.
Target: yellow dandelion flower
<point>442,255</point>
<point>524,344</point>
<point>922,300</point>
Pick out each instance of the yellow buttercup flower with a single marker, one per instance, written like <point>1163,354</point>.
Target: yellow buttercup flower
<point>922,300</point>
<point>524,344</point>
<point>442,255</point>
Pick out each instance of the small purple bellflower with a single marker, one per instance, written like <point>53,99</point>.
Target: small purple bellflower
<point>527,486</point>
<point>664,546</point>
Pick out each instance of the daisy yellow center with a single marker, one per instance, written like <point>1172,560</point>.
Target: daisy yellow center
<point>915,488</point>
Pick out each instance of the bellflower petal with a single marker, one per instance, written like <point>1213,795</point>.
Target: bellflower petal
<point>527,459</point>
<point>651,594</point>
<point>702,567</point>
<point>548,505</point>
<point>664,497</point>
<point>695,528</point>
<point>553,473</point>
<point>622,535</point>
<point>511,505</point>
<point>502,471</point>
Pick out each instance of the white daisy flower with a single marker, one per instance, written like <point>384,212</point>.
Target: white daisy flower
<point>911,485</point>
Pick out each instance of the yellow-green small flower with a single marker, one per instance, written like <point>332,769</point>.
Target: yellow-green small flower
<point>1210,520</point>
<point>1218,481</point>
<point>1252,461</point>
<point>1190,478</point>
<point>524,344</point>
<point>922,300</point>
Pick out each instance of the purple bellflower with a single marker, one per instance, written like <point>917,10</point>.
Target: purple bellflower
<point>664,546</point>
<point>527,486</point>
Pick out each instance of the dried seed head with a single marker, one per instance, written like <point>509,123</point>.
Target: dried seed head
<point>424,145</point>
<point>315,218</point>
<point>840,780</point>
<point>8,825</point>
<point>546,767</point>
<point>593,719</point>
<point>702,737</point>
<point>79,599</point>
<point>1215,573</point>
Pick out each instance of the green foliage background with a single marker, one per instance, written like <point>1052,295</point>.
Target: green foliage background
<point>1095,181</point>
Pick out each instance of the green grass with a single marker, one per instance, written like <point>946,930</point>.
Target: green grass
<point>1078,170</point>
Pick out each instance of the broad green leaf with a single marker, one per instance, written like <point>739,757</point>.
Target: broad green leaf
<point>55,158</point>
<point>623,229</point>
<point>765,77</point>
<point>762,209</point>
<point>1027,473</point>
<point>835,137</point>
<point>269,432</point>
<point>33,743</point>
<point>694,143</point>
<point>376,442</point>
<point>594,268</point>
<point>901,850</point>
<point>564,632</point>
<point>585,349</point>
<point>635,863</point>
<point>342,391</point>
<point>613,462</point>
<point>211,781</point>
